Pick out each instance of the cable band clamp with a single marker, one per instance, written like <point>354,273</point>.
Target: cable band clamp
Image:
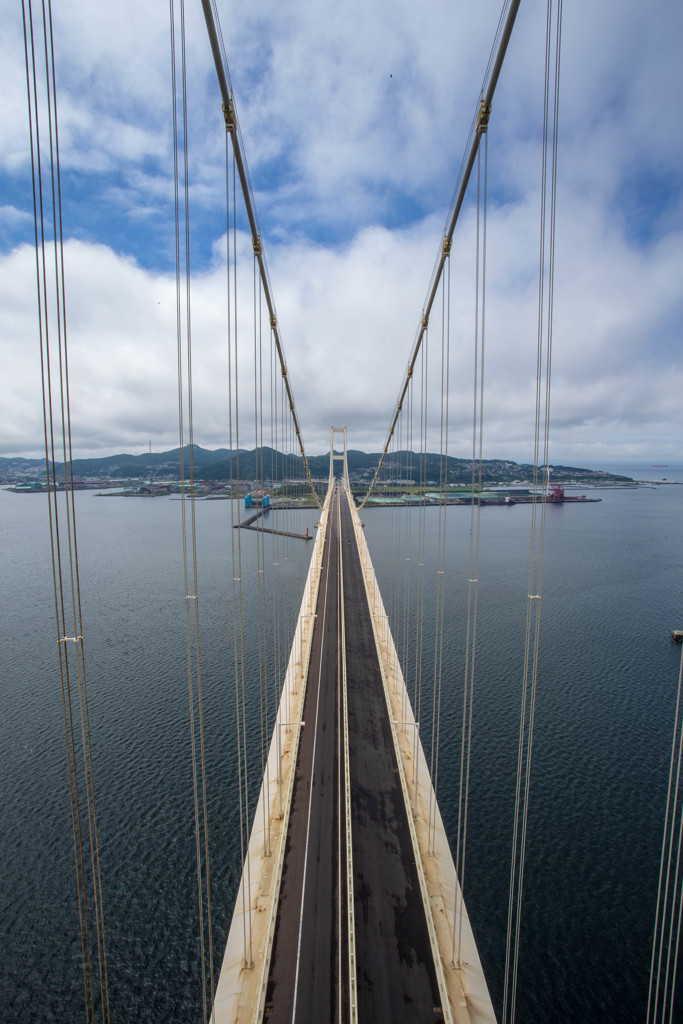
<point>483,118</point>
<point>229,115</point>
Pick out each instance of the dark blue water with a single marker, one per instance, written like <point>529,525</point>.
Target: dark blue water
<point>613,589</point>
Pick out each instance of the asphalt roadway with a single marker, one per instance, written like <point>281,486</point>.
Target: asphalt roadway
<point>309,973</point>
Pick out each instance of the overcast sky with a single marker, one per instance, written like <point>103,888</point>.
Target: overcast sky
<point>355,117</point>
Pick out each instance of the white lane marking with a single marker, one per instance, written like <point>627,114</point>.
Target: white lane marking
<point>340,776</point>
<point>350,904</point>
<point>310,801</point>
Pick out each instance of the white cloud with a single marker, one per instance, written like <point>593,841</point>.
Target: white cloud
<point>349,321</point>
<point>11,215</point>
<point>355,117</point>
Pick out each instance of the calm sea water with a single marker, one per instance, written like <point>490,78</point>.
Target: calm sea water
<point>613,589</point>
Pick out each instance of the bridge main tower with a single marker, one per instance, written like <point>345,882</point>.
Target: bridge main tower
<point>335,457</point>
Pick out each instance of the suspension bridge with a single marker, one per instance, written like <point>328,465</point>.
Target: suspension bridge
<point>350,905</point>
<point>363,917</point>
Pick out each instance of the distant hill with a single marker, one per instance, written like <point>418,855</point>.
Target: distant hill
<point>268,464</point>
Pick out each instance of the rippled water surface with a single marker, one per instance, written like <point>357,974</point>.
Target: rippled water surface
<point>613,589</point>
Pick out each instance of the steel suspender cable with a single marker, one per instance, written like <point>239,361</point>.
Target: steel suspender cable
<point>260,582</point>
<point>407,565</point>
<point>537,538</point>
<point>235,545</point>
<point>47,206</point>
<point>667,924</point>
<point>421,529</point>
<point>440,575</point>
<point>475,536</point>
<point>189,544</point>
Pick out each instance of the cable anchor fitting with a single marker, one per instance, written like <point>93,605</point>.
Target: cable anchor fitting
<point>71,639</point>
<point>483,118</point>
<point>273,321</point>
<point>256,242</point>
<point>446,246</point>
<point>425,323</point>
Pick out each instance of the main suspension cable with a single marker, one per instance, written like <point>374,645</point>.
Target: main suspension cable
<point>232,127</point>
<point>479,125</point>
